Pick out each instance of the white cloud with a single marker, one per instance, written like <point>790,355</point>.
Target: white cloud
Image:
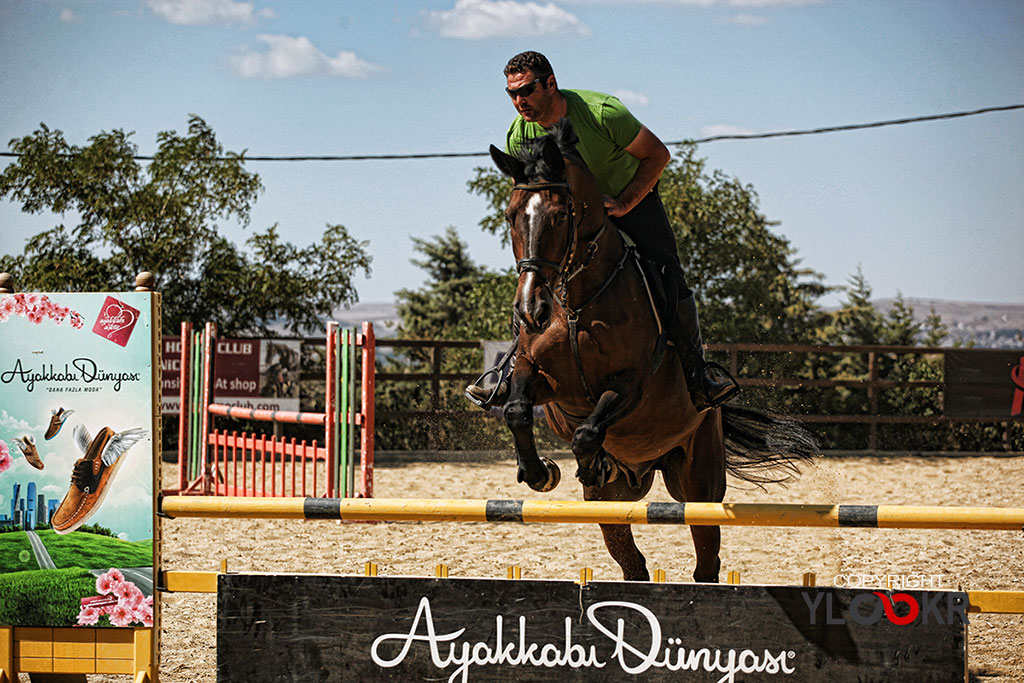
<point>53,491</point>
<point>69,15</point>
<point>474,19</point>
<point>632,99</point>
<point>206,12</point>
<point>131,496</point>
<point>707,3</point>
<point>15,426</point>
<point>724,129</point>
<point>773,3</point>
<point>289,56</point>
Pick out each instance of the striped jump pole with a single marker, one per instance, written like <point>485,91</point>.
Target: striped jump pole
<point>574,512</point>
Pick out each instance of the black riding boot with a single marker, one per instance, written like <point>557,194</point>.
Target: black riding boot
<point>709,383</point>
<point>487,394</point>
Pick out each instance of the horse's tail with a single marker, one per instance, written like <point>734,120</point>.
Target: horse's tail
<point>764,449</point>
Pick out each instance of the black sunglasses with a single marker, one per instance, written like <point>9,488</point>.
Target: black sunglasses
<point>526,90</point>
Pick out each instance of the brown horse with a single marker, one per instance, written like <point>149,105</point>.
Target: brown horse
<point>588,331</point>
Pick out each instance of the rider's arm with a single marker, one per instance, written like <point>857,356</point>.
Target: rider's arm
<point>654,157</point>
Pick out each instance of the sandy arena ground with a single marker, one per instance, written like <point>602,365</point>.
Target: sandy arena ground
<point>974,560</point>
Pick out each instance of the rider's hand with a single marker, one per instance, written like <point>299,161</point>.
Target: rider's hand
<point>614,207</point>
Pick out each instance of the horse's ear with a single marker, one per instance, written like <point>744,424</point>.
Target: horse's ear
<point>509,165</point>
<point>553,157</point>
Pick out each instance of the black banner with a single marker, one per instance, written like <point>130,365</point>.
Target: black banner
<point>337,628</point>
<point>984,384</point>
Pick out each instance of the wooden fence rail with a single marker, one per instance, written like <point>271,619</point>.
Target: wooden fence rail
<point>733,356</point>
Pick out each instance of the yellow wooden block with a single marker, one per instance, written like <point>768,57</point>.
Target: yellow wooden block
<point>147,646</point>
<point>190,582</point>
<point>34,665</point>
<point>74,643</point>
<point>6,653</point>
<point>84,665</point>
<point>115,643</point>
<point>33,642</point>
<point>74,635</point>
<point>115,650</point>
<point>996,602</point>
<point>115,666</point>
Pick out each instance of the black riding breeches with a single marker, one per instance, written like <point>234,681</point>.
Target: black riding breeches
<point>647,225</point>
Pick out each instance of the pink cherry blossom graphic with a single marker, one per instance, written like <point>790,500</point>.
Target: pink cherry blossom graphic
<point>88,616</point>
<point>5,456</point>
<point>37,308</point>
<point>121,616</point>
<point>119,600</point>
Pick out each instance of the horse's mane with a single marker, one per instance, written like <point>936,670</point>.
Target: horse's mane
<point>531,153</point>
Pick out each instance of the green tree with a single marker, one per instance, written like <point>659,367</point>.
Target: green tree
<point>857,321</point>
<point>460,300</point>
<point>163,218</point>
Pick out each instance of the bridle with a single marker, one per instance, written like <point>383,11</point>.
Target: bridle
<point>536,264</point>
<point>566,271</point>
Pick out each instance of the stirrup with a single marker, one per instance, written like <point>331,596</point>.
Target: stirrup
<point>726,390</point>
<point>476,392</point>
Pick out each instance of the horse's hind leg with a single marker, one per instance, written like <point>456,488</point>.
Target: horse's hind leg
<point>701,478</point>
<point>618,538</point>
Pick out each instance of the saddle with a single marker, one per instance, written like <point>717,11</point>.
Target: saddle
<point>662,293</point>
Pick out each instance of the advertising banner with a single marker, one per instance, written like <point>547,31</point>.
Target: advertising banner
<point>77,439</point>
<point>984,384</point>
<point>250,373</point>
<point>339,628</point>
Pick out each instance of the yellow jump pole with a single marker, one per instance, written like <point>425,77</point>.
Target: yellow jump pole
<point>572,512</point>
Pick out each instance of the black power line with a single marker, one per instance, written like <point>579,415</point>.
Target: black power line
<point>713,138</point>
<point>856,126</point>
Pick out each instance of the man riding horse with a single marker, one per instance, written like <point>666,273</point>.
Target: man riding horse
<point>627,160</point>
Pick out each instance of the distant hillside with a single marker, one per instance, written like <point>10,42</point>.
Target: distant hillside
<point>384,316</point>
<point>988,325</point>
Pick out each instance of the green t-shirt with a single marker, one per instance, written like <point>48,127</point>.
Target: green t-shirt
<point>605,128</point>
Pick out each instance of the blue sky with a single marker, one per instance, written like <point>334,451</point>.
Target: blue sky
<point>931,210</point>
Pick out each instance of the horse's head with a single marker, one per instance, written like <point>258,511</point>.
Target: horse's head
<point>543,217</point>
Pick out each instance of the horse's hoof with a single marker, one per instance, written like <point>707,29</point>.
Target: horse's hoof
<point>598,474</point>
<point>553,478</point>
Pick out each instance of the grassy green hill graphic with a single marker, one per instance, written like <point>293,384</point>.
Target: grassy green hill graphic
<point>52,597</point>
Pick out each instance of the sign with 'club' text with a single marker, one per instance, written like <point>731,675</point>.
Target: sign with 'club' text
<point>262,374</point>
<point>337,628</point>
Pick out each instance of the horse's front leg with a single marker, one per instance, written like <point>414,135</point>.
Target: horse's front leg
<point>596,467</point>
<point>539,473</point>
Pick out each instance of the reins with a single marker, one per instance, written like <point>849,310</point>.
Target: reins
<point>566,272</point>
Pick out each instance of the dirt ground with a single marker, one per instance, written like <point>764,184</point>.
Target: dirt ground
<point>973,560</point>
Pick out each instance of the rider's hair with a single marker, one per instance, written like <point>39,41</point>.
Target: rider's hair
<point>530,61</point>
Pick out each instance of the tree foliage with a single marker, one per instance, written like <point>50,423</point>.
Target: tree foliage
<point>163,218</point>
<point>461,299</point>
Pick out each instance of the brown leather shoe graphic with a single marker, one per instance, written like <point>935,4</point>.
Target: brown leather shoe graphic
<point>57,421</point>
<point>27,446</point>
<point>92,474</point>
